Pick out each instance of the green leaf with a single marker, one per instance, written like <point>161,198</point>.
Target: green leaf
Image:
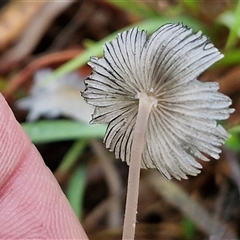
<point>46,131</point>
<point>193,4</point>
<point>76,187</point>
<point>233,143</point>
<point>188,228</point>
<point>232,20</point>
<point>231,57</point>
<point>235,129</point>
<point>134,7</point>
<point>71,156</point>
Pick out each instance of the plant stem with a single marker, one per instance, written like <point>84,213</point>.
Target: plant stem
<point>145,105</point>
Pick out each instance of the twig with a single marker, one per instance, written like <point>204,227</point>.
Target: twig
<point>114,183</point>
<point>179,198</point>
<point>233,166</point>
<point>97,213</point>
<point>85,11</point>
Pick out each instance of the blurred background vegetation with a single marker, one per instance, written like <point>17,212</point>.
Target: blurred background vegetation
<point>60,37</point>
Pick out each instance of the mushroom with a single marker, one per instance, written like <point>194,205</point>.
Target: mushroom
<point>158,114</point>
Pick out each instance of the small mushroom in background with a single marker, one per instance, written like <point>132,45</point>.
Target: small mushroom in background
<point>59,97</point>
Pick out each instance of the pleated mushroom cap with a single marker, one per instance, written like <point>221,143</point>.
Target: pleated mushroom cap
<point>182,127</point>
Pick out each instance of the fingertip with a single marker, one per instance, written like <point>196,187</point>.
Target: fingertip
<point>32,205</point>
<point>13,141</point>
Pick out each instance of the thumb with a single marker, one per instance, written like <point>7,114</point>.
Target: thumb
<point>32,205</point>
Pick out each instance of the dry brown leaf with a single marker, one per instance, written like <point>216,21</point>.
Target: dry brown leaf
<point>14,18</point>
<point>230,82</point>
<point>32,34</point>
<point>230,85</point>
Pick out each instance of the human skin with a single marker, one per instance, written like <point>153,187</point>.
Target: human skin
<point>32,205</point>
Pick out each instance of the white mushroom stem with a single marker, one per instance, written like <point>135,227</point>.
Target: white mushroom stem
<point>146,103</point>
